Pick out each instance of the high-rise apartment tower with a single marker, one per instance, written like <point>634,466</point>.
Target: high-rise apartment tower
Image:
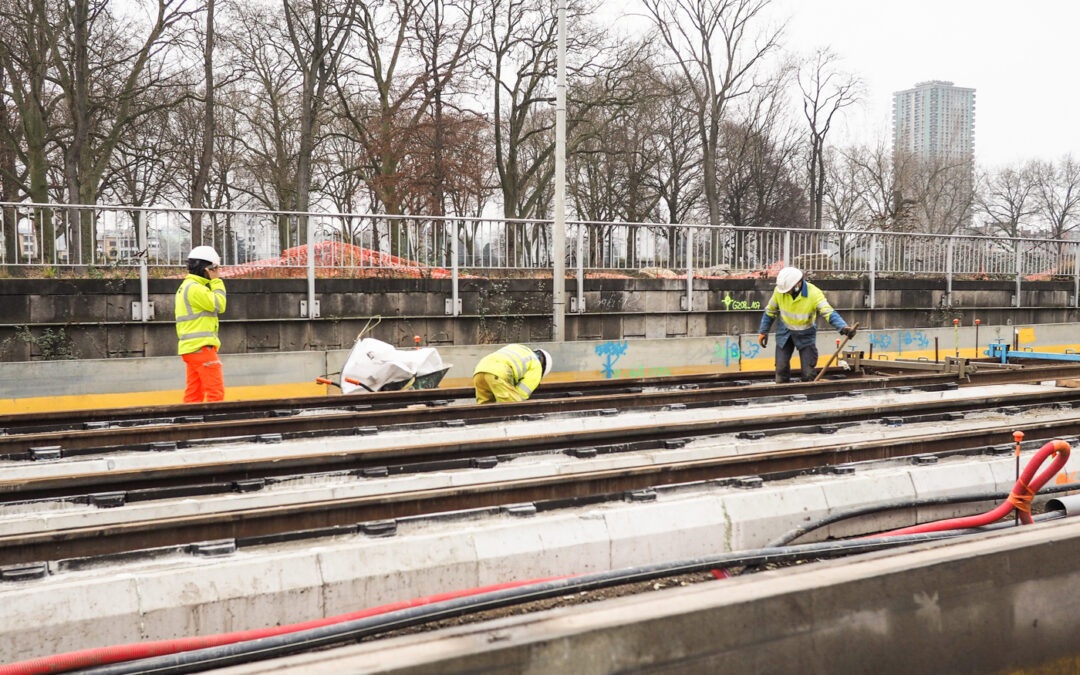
<point>935,121</point>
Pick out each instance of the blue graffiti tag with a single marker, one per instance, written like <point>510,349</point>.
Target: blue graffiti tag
<point>881,340</point>
<point>917,338</point>
<point>751,350</point>
<point>729,351</point>
<point>612,351</point>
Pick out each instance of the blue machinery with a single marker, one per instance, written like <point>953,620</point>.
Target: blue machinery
<point>1001,350</point>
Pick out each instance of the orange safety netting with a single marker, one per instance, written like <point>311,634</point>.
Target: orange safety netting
<point>335,259</point>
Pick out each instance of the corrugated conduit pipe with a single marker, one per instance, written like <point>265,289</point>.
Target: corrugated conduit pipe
<point>1019,499</point>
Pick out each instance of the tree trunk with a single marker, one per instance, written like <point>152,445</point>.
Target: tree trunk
<point>206,158</point>
<point>7,184</point>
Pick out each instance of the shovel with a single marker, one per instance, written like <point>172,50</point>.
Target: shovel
<point>836,353</point>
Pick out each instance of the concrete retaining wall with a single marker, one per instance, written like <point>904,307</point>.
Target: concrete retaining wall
<point>92,318</point>
<point>58,385</point>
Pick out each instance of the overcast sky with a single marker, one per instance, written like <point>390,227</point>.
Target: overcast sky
<point>1018,56</point>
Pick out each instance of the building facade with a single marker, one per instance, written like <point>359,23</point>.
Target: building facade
<point>935,120</point>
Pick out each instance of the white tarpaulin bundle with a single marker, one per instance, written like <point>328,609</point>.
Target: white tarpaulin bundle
<point>376,364</point>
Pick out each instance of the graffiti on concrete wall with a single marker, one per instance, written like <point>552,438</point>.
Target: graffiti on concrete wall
<point>905,339</point>
<point>914,338</point>
<point>613,350</point>
<point>729,351</point>
<point>732,303</point>
<point>880,340</point>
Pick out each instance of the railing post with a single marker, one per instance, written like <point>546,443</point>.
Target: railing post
<point>948,274</point>
<point>454,268</point>
<point>144,253</point>
<point>873,268</point>
<point>311,313</point>
<point>689,269</point>
<point>1076,275</point>
<point>787,248</point>
<point>1019,271</point>
<point>581,268</point>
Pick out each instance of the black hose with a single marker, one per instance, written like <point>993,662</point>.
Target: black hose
<point>792,535</point>
<point>348,631</point>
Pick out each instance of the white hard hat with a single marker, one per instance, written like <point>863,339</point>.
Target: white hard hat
<point>546,358</point>
<point>788,277</point>
<point>206,253</point>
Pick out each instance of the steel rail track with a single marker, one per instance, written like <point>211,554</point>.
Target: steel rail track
<point>187,479</point>
<point>72,420</point>
<point>266,521</point>
<point>226,410</point>
<point>67,443</point>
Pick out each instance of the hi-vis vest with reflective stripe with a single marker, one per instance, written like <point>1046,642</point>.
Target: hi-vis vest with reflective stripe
<point>800,312</point>
<point>517,364</point>
<point>198,303</point>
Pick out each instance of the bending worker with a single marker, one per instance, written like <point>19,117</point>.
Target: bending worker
<point>199,301</point>
<point>510,374</point>
<point>798,303</point>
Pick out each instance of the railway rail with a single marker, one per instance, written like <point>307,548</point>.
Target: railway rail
<point>369,511</point>
<point>232,410</point>
<point>434,411</point>
<point>180,479</point>
<point>964,371</point>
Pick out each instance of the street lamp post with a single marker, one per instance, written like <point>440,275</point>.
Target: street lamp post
<point>558,238</point>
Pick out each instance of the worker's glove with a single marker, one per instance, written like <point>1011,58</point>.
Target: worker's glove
<point>848,331</point>
<point>763,340</point>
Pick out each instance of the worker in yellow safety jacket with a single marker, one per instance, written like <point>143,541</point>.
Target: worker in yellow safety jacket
<point>797,303</point>
<point>510,374</point>
<point>199,301</point>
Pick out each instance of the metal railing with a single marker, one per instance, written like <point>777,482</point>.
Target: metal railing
<point>316,245</point>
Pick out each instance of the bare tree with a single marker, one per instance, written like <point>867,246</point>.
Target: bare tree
<point>443,27</point>
<point>825,92</point>
<point>140,173</point>
<point>384,92</point>
<point>520,38</point>
<point>845,196</point>
<point>318,31</point>
<point>1057,195</point>
<point>209,129</point>
<point>941,194</point>
<point>1004,200</point>
<point>9,175</point>
<point>880,175</point>
<point>718,50</point>
<point>30,107</point>
<point>103,74</point>
<point>267,106</point>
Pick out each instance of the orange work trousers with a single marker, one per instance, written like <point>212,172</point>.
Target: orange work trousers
<point>205,381</point>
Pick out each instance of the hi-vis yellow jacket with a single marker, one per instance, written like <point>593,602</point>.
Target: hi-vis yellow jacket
<point>517,364</point>
<point>199,301</point>
<point>798,315</point>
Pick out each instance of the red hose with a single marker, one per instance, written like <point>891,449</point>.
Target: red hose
<point>1019,498</point>
<point>60,663</point>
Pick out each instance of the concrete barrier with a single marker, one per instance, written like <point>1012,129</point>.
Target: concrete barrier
<point>990,604</point>
<point>63,385</point>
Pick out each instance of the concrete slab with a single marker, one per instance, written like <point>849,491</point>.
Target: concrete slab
<point>177,595</point>
<point>959,606</point>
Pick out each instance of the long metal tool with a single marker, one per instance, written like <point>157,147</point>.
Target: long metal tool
<point>832,358</point>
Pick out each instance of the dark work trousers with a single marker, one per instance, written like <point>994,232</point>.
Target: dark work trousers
<point>807,356</point>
